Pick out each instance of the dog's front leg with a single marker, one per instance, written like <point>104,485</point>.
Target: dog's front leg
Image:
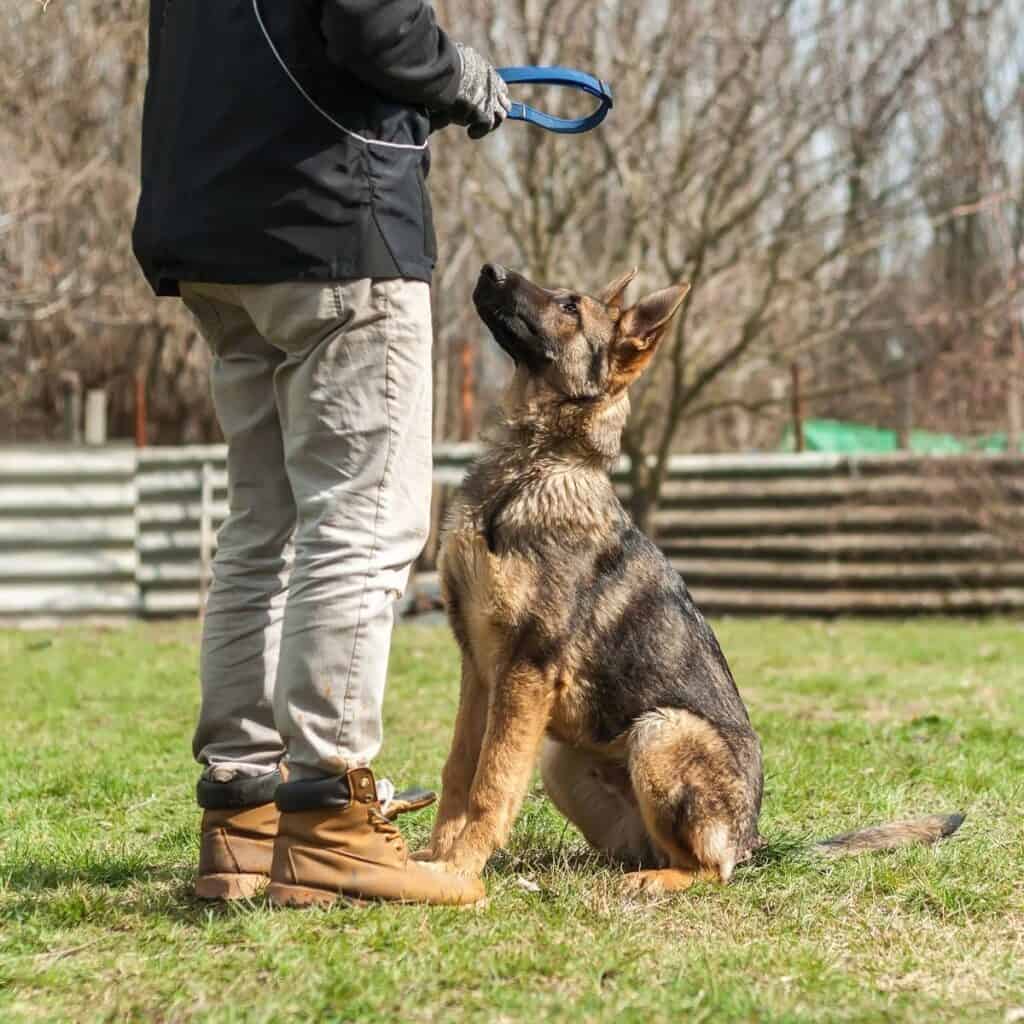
<point>459,769</point>
<point>517,716</point>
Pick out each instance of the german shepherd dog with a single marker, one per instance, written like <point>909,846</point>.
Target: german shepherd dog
<point>576,634</point>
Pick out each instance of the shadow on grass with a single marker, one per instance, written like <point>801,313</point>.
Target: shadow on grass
<point>63,893</point>
<point>37,877</point>
<point>782,849</point>
<point>102,890</point>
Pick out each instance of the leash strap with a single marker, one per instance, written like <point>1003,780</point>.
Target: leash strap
<point>601,91</point>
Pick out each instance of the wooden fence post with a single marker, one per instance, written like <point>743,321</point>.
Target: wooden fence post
<point>1015,385</point>
<point>797,409</point>
<point>72,385</point>
<point>96,416</point>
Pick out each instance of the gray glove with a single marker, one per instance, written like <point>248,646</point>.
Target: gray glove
<point>482,101</point>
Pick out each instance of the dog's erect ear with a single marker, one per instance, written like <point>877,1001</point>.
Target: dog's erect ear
<point>645,323</point>
<point>641,328</point>
<point>611,293</point>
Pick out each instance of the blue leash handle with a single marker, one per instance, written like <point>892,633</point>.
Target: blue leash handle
<point>601,91</point>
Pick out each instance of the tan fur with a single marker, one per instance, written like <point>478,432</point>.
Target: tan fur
<point>671,749</point>
<point>561,607</point>
<point>555,482</point>
<point>662,881</point>
<point>459,769</point>
<point>516,717</point>
<point>637,345</point>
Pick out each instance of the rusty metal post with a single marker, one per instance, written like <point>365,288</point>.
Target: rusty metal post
<point>140,410</point>
<point>467,425</point>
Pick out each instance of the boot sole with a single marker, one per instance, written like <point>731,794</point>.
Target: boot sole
<point>282,895</point>
<point>227,887</point>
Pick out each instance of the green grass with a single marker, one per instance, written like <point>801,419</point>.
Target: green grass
<point>861,722</point>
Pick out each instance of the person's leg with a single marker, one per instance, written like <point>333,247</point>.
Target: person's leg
<point>354,400</point>
<point>354,397</point>
<point>236,740</point>
<point>236,737</point>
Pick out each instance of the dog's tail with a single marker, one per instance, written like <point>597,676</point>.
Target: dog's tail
<point>891,836</point>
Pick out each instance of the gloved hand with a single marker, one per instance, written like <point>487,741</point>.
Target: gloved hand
<point>482,101</point>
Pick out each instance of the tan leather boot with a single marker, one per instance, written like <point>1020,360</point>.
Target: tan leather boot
<point>236,852</point>
<point>334,843</point>
<point>238,829</point>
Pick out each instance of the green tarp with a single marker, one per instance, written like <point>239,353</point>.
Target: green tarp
<point>837,436</point>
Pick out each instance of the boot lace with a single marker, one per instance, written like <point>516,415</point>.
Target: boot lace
<point>387,828</point>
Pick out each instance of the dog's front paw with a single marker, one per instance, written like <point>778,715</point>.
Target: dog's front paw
<point>451,866</point>
<point>426,854</point>
<point>658,882</point>
<point>440,866</point>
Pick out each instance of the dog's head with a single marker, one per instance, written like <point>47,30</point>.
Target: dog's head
<point>575,354</point>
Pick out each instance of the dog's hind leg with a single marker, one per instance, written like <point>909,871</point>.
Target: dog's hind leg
<point>696,797</point>
<point>597,797</point>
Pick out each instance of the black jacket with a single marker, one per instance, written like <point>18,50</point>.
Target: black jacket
<point>244,181</point>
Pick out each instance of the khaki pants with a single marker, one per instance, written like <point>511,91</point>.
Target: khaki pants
<point>323,393</point>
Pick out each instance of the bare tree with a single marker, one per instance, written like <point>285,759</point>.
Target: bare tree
<point>829,175</point>
<point>754,151</point>
<point>71,298</point>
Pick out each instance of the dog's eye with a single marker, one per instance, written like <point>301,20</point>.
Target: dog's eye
<point>569,306</point>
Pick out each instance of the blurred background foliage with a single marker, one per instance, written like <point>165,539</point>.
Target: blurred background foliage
<point>842,181</point>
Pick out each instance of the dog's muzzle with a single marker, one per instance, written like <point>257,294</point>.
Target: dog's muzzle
<point>503,302</point>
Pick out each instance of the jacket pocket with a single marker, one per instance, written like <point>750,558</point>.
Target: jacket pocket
<point>399,203</point>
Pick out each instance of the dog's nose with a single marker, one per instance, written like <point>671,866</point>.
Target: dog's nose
<point>494,272</point>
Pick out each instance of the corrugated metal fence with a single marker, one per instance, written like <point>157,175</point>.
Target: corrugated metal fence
<point>841,533</point>
<point>170,522</point>
<point>125,531</point>
<point>67,532</point>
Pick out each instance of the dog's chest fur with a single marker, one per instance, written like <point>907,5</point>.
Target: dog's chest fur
<point>506,575</point>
